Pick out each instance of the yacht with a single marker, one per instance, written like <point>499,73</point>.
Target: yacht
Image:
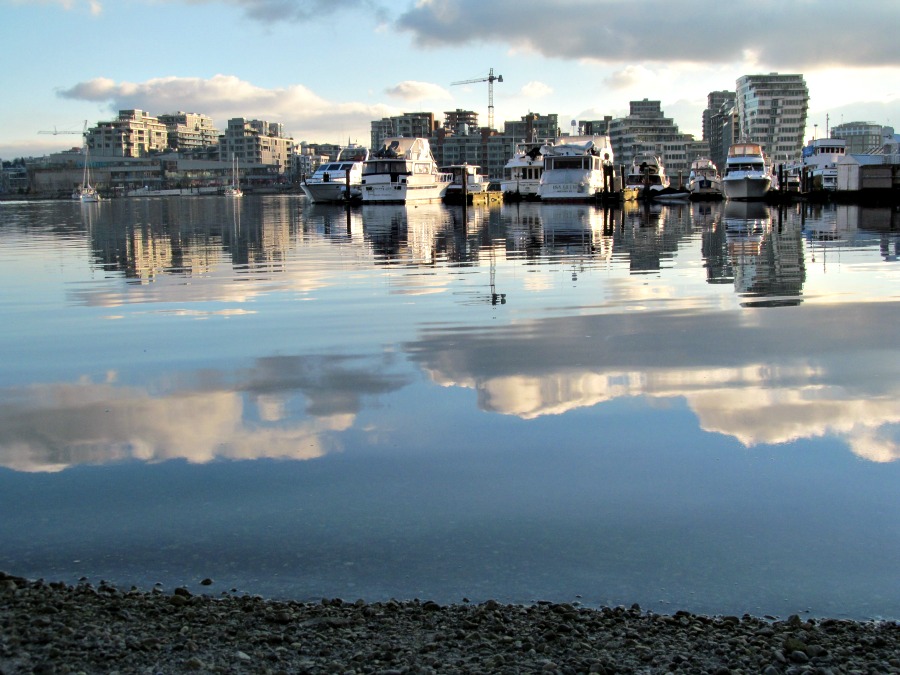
<point>86,193</point>
<point>647,175</point>
<point>234,190</point>
<point>522,173</point>
<point>577,168</point>
<point>746,176</point>
<point>820,158</point>
<point>329,182</point>
<point>475,182</point>
<point>704,181</point>
<point>403,170</point>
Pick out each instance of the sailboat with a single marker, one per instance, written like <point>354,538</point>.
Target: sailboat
<point>86,192</point>
<point>234,190</point>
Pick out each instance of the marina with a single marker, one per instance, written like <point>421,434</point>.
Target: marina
<point>687,406</point>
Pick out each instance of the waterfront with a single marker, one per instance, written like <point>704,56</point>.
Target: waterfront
<point>687,407</point>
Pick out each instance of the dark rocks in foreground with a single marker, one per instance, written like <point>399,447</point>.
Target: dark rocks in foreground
<point>55,628</point>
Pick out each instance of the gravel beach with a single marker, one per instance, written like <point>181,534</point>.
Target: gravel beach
<point>55,628</point>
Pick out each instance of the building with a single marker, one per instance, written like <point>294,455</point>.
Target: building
<point>460,121</point>
<point>134,133</point>
<point>862,137</point>
<point>189,131</point>
<point>408,125</point>
<point>714,102</point>
<point>532,127</point>
<point>720,125</point>
<point>647,130</point>
<point>771,111</point>
<point>257,142</point>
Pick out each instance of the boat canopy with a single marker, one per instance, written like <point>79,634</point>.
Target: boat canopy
<point>745,149</point>
<point>404,148</point>
<point>353,153</point>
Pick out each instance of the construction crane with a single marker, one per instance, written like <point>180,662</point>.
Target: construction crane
<point>490,79</point>
<point>56,132</point>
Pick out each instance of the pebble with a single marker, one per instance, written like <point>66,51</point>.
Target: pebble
<point>54,628</point>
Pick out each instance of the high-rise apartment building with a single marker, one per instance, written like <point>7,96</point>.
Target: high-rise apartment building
<point>408,125</point>
<point>720,127</point>
<point>134,133</point>
<point>187,131</point>
<point>256,142</point>
<point>771,111</point>
<point>532,126</point>
<point>647,130</point>
<point>714,102</point>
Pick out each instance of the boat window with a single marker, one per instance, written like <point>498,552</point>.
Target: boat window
<point>398,167</point>
<point>567,162</point>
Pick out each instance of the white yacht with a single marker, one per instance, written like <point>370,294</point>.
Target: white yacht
<point>475,182</point>
<point>234,190</point>
<point>820,158</point>
<point>403,170</point>
<point>522,173</point>
<point>647,175</point>
<point>576,168</point>
<point>704,181</point>
<point>746,175</point>
<point>329,182</point>
<point>86,193</point>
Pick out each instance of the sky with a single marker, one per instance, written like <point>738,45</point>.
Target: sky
<point>326,68</point>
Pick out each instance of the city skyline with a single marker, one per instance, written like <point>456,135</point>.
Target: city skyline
<point>326,69</point>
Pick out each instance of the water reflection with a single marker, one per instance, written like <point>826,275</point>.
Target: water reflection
<point>606,335</point>
<point>437,402</point>
<point>288,407</point>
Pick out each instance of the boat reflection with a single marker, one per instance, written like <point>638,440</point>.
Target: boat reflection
<point>767,263</point>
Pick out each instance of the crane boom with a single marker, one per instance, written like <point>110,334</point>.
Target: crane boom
<point>56,131</point>
<point>490,79</point>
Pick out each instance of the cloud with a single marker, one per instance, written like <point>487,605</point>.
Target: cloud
<point>810,384</point>
<point>52,427</point>
<point>535,89</point>
<point>410,90</point>
<point>628,77</point>
<point>272,11</point>
<point>781,35</point>
<point>225,96</point>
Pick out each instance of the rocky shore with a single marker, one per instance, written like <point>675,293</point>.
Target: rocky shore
<point>55,628</point>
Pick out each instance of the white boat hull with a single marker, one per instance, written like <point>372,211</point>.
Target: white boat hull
<point>746,187</point>
<point>570,188</point>
<point>323,193</point>
<point>527,189</point>
<point>403,192</point>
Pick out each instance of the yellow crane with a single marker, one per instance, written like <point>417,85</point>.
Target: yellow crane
<point>490,79</point>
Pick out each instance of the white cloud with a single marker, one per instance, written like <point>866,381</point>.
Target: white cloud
<point>411,90</point>
<point>535,89</point>
<point>225,96</point>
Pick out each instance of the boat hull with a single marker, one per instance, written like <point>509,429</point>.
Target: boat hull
<point>746,187</point>
<point>324,193</point>
<point>400,193</point>
<point>580,190</point>
<point>520,189</point>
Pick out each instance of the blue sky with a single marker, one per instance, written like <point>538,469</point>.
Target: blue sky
<point>326,68</point>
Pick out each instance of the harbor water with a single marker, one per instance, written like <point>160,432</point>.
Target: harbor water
<point>691,406</point>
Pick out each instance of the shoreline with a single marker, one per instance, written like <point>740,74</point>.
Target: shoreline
<point>56,628</point>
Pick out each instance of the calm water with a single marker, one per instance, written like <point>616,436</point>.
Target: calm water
<point>690,407</point>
